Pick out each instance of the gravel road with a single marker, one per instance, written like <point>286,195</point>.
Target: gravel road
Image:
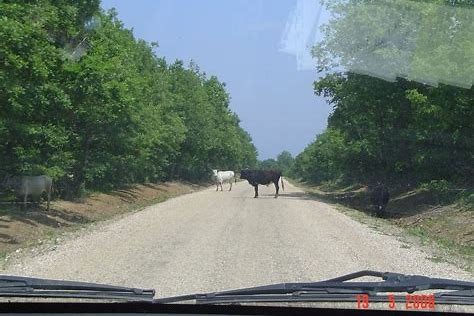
<point>208,241</point>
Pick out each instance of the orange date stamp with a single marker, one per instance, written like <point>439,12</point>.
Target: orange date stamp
<point>412,302</point>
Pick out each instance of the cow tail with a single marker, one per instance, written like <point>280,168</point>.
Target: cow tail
<point>282,184</point>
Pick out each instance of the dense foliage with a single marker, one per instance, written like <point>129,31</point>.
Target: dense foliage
<point>284,163</point>
<point>397,130</point>
<point>85,102</point>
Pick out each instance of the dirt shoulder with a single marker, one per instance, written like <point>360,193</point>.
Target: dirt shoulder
<point>446,231</point>
<point>20,229</point>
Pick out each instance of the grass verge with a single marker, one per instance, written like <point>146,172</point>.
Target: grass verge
<point>448,230</point>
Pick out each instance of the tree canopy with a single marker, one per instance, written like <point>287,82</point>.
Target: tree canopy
<point>423,41</point>
<point>403,110</point>
<point>84,101</point>
<point>284,162</point>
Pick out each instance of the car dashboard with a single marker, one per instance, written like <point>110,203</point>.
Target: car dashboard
<point>135,308</point>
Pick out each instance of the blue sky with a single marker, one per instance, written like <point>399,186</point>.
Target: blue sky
<point>247,44</point>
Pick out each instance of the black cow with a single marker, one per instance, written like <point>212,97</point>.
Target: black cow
<point>256,177</point>
<point>379,197</point>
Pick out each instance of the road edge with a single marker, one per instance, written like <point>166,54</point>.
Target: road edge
<point>431,248</point>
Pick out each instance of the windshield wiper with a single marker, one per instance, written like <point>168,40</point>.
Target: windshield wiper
<point>15,286</point>
<point>339,290</point>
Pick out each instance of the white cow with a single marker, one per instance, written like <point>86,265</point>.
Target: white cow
<point>224,176</point>
<point>33,186</point>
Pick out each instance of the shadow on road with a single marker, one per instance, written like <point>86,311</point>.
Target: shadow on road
<point>398,207</point>
<point>290,195</point>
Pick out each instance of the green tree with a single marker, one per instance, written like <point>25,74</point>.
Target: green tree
<point>34,137</point>
<point>285,162</point>
<point>428,42</point>
<point>268,164</point>
<point>84,101</point>
<point>389,128</point>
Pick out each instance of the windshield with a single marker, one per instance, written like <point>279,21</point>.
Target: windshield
<point>202,146</point>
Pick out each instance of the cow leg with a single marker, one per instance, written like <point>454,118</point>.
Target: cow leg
<point>217,186</point>
<point>230,189</point>
<point>277,189</point>
<point>380,211</point>
<point>49,199</point>
<point>379,205</point>
<point>222,189</point>
<point>256,191</point>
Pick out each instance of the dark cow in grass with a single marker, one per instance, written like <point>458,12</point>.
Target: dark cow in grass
<point>265,177</point>
<point>379,196</point>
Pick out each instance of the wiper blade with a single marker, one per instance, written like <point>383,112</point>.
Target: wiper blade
<point>17,286</point>
<point>338,289</point>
